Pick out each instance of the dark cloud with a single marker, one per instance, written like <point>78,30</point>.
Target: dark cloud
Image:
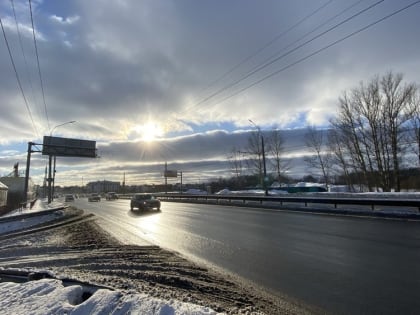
<point>201,156</point>
<point>114,65</point>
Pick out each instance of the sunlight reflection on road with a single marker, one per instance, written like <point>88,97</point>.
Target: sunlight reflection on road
<point>150,224</point>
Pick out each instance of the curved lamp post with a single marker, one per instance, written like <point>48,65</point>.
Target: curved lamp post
<point>66,123</point>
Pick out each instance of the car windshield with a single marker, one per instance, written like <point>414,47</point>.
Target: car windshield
<point>143,197</point>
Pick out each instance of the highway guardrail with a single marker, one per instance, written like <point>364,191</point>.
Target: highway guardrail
<point>370,202</point>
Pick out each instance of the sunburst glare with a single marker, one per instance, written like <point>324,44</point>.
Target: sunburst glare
<point>149,131</point>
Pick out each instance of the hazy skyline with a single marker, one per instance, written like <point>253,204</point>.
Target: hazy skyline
<point>193,72</point>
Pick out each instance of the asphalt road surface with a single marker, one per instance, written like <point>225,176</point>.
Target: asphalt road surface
<point>344,265</point>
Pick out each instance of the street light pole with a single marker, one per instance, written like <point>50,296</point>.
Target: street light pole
<point>66,123</point>
<point>49,179</point>
<point>263,156</point>
<point>28,165</point>
<point>51,191</point>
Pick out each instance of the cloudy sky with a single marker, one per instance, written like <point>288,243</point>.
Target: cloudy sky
<point>178,81</point>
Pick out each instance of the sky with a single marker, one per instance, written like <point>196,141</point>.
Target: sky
<point>179,81</point>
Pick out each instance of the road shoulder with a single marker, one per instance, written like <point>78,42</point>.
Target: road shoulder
<point>83,251</point>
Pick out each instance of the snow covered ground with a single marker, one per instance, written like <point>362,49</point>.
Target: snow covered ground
<point>51,296</point>
<point>18,219</point>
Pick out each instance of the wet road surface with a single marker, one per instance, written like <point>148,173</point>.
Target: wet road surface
<point>345,265</point>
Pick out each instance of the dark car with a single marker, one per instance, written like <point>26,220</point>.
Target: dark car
<point>94,197</point>
<point>144,202</point>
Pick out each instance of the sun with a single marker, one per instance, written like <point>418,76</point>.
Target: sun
<point>149,131</point>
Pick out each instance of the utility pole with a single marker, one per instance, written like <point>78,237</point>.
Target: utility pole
<point>49,179</point>
<point>52,179</point>
<point>265,168</point>
<point>45,182</point>
<point>28,165</point>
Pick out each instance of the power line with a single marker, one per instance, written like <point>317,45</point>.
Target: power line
<point>318,51</point>
<point>265,46</point>
<point>17,78</point>
<point>312,31</point>
<point>23,51</point>
<point>39,67</point>
<point>268,44</point>
<point>263,66</point>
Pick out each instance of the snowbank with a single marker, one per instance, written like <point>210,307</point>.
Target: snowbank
<point>50,296</point>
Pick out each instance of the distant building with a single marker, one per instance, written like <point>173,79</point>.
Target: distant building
<point>3,195</point>
<point>103,186</point>
<point>15,183</point>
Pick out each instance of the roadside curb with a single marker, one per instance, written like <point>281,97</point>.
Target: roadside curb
<point>50,225</point>
<point>31,214</point>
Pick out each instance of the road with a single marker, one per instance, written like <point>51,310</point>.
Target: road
<point>344,265</point>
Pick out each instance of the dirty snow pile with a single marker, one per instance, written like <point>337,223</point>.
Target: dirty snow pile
<point>50,296</point>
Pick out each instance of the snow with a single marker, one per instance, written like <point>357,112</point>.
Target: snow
<point>248,192</point>
<point>51,296</point>
<point>334,190</point>
<point>193,191</point>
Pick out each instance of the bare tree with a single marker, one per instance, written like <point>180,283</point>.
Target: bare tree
<point>320,158</point>
<point>347,125</point>
<point>235,158</point>
<point>276,151</point>
<point>414,126</point>
<point>255,152</point>
<point>341,163</point>
<point>372,122</point>
<point>367,106</point>
<point>397,111</point>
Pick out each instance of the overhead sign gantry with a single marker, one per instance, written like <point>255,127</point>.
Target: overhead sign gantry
<point>57,146</point>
